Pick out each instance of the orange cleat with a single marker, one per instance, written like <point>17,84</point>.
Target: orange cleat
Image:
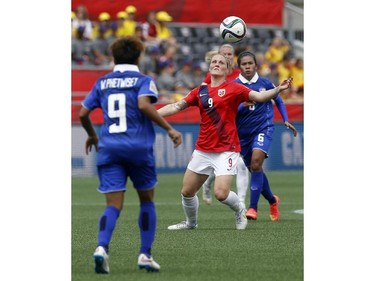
<point>274,210</point>
<point>251,214</point>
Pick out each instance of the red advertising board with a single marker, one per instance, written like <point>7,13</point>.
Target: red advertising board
<point>83,80</point>
<point>259,12</point>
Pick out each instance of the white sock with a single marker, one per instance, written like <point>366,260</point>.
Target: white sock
<point>209,180</point>
<point>190,206</point>
<point>242,180</point>
<point>232,201</point>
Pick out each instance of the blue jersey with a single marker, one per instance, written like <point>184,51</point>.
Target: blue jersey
<point>256,118</point>
<point>126,133</point>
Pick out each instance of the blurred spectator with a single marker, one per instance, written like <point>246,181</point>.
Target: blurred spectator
<point>149,28</point>
<point>273,74</point>
<point>184,77</point>
<point>149,62</point>
<point>284,70</point>
<point>104,22</point>
<point>81,48</point>
<point>164,33</point>
<point>82,20</point>
<point>121,19</point>
<point>113,31</point>
<point>277,50</point>
<point>166,82</point>
<point>130,23</point>
<point>100,47</point>
<point>297,73</point>
<point>73,16</point>
<point>198,74</point>
<point>263,65</point>
<point>139,33</point>
<point>168,54</point>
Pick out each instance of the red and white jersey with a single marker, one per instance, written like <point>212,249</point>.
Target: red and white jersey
<point>218,108</point>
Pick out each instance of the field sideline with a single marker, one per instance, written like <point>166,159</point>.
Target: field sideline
<point>265,251</point>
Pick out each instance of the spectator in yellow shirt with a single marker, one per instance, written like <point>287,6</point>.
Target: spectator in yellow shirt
<point>297,73</point>
<point>130,23</point>
<point>104,23</point>
<point>121,19</point>
<point>277,50</point>
<point>163,32</point>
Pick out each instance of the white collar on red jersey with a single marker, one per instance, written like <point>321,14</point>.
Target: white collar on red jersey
<point>126,67</point>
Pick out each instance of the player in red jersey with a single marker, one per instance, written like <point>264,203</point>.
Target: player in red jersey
<point>217,148</point>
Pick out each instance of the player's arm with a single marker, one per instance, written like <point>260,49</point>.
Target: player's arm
<point>92,139</point>
<point>144,105</point>
<point>282,109</point>
<point>172,108</point>
<point>269,94</point>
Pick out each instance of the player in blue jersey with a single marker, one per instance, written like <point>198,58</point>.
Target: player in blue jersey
<point>125,146</point>
<point>255,129</point>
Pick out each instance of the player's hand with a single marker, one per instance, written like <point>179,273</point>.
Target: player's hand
<point>175,136</point>
<point>91,141</point>
<point>285,84</point>
<point>290,126</point>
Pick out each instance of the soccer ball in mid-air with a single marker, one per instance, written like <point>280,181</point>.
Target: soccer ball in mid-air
<point>232,29</point>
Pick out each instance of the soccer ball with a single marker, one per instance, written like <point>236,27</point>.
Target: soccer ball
<point>232,29</point>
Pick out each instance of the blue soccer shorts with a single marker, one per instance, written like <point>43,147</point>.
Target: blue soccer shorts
<point>113,177</point>
<point>261,141</point>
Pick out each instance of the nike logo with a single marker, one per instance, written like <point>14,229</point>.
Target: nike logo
<point>201,95</point>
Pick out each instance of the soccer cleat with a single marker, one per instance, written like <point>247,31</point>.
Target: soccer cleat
<point>241,220</point>
<point>251,214</point>
<point>206,195</point>
<point>101,260</point>
<point>274,209</point>
<point>148,263</point>
<point>182,225</point>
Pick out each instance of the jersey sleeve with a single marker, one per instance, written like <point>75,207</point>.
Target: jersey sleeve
<point>191,97</point>
<point>278,100</point>
<point>148,88</point>
<point>92,100</point>
<point>281,108</point>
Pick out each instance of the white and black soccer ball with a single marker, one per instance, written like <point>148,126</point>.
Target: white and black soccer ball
<point>232,29</point>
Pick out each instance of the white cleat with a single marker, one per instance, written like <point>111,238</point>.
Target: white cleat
<point>182,225</point>
<point>148,263</point>
<point>241,220</point>
<point>101,260</point>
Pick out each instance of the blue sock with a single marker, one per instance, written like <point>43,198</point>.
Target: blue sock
<point>256,183</point>
<point>147,225</point>
<point>107,224</point>
<point>266,191</point>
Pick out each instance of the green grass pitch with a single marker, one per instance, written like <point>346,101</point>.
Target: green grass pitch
<point>266,250</point>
